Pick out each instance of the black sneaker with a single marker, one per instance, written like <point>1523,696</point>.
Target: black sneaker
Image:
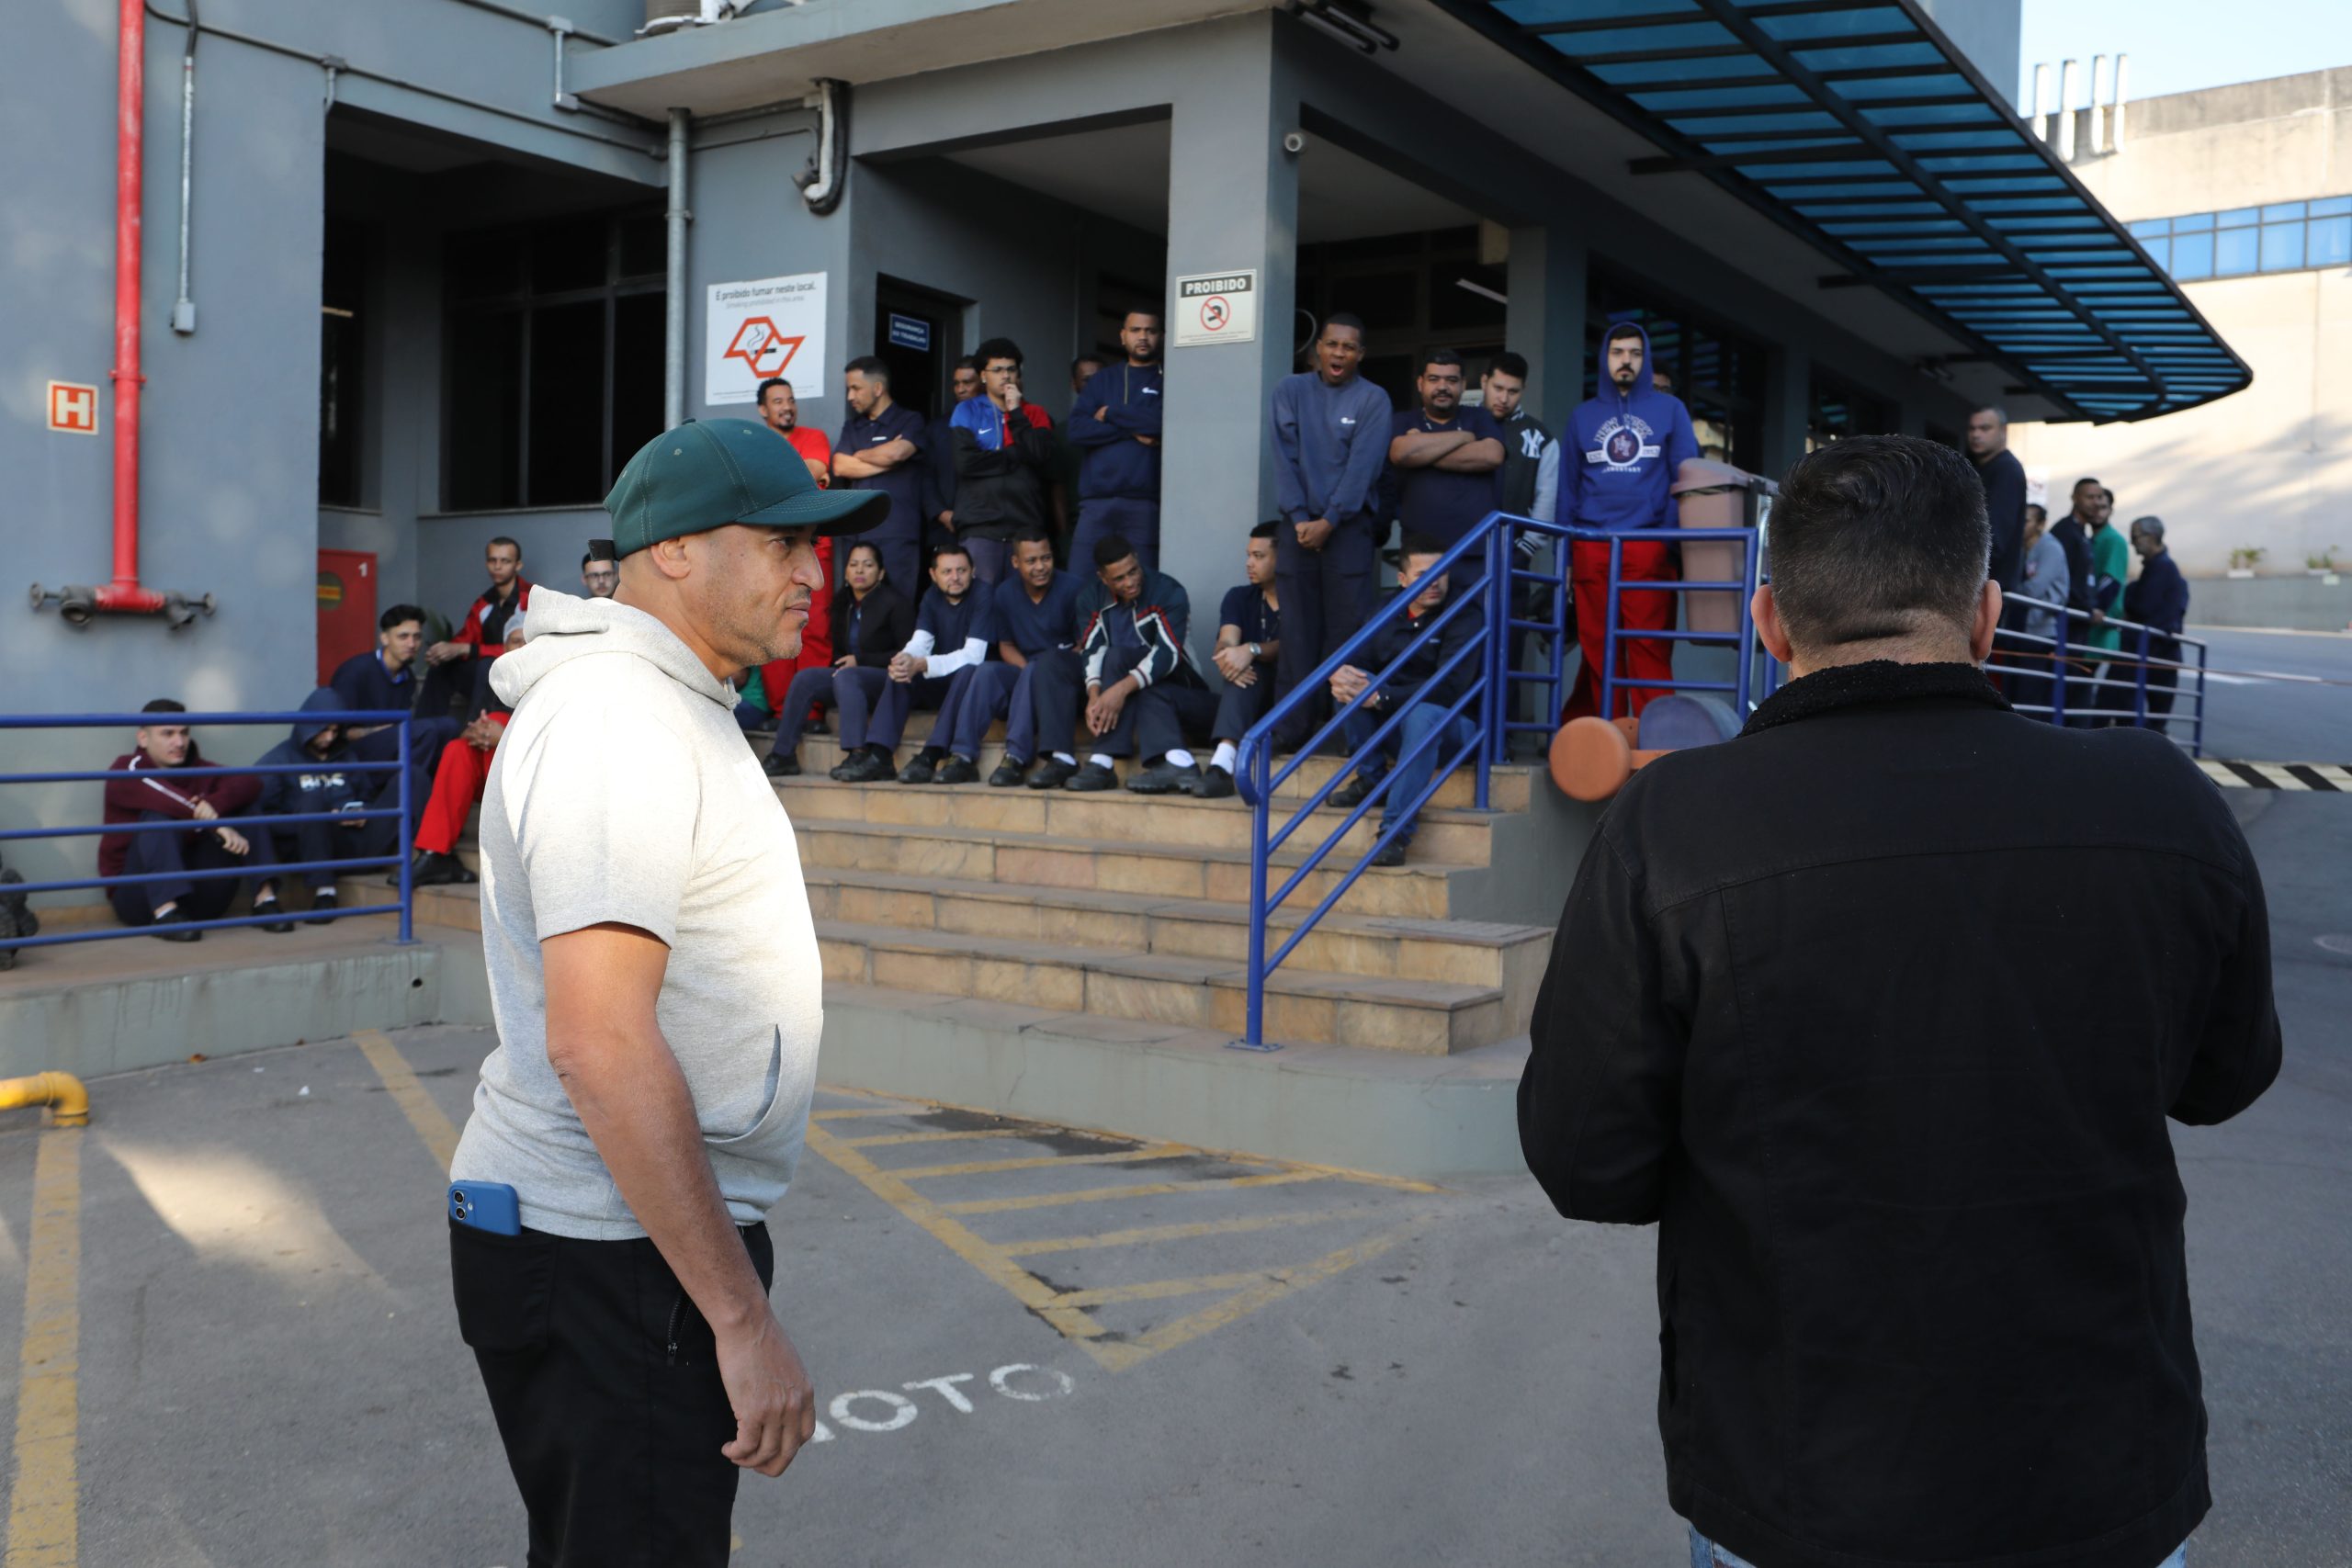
<point>867,767</point>
<point>165,927</point>
<point>1093,776</point>
<point>958,770</point>
<point>782,764</point>
<point>1052,773</point>
<point>434,869</point>
<point>1162,777</point>
<point>1353,793</point>
<point>922,770</point>
<point>324,902</point>
<point>270,907</point>
<point>1391,854</point>
<point>1212,783</point>
<point>1008,774</point>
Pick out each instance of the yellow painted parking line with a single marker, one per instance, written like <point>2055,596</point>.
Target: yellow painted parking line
<point>1118,1357</point>
<point>44,1522</point>
<point>1143,1190</point>
<point>1160,1290</point>
<point>885,1140</point>
<point>399,1081</point>
<point>983,1167</point>
<point>839,1113</point>
<point>1144,1235</point>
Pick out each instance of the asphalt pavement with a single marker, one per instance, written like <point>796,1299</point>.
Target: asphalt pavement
<point>1031,1345</point>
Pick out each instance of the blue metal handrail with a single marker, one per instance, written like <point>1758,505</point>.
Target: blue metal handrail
<point>1495,538</point>
<point>2062,661</point>
<point>405,813</point>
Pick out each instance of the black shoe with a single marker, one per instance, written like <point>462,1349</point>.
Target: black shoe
<point>1052,773</point>
<point>1092,776</point>
<point>1392,853</point>
<point>922,770</point>
<point>782,764</point>
<point>1163,777</point>
<point>323,904</point>
<point>17,917</point>
<point>867,767</point>
<point>1353,793</point>
<point>1212,783</point>
<point>163,928</point>
<point>1008,774</point>
<point>270,907</point>
<point>958,770</point>
<point>434,869</point>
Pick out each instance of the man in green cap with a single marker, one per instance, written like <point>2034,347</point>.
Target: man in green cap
<point>654,976</point>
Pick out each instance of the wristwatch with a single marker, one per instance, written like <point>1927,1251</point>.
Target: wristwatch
<point>1256,652</point>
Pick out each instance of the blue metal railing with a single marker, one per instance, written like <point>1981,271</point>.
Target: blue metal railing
<point>405,813</point>
<point>2068,664</point>
<point>1495,540</point>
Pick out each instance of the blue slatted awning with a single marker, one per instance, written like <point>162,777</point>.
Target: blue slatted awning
<point>1856,124</point>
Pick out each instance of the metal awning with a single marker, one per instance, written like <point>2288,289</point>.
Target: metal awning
<point>1858,124</point>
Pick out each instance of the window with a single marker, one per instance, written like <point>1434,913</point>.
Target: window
<point>342,342</point>
<point>1838,411</point>
<point>2284,236</point>
<point>554,360</point>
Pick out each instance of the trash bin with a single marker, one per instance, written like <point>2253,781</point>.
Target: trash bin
<point>1713,495</point>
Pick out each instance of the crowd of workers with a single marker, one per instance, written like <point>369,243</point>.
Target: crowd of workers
<point>1015,577</point>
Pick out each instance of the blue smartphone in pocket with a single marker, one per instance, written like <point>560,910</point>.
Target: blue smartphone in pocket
<point>486,1206</point>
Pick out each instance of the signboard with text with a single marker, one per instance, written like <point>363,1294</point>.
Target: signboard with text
<point>1216,306</point>
<point>769,326</point>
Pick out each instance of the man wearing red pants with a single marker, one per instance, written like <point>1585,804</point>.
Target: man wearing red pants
<point>458,784</point>
<point>1617,462</point>
<point>780,409</point>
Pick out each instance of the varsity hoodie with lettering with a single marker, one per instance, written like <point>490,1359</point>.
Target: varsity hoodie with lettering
<point>1621,449</point>
<point>1113,464</point>
<point>328,786</point>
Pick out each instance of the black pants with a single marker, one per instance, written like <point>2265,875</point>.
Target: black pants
<point>1238,707</point>
<point>200,898</point>
<point>1326,596</point>
<point>1157,718</point>
<point>604,1381</point>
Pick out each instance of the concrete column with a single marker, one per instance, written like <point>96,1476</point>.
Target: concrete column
<point>1788,405</point>
<point>1232,205</point>
<point>1545,281</point>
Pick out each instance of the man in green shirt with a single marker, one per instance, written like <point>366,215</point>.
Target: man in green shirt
<point>2110,569</point>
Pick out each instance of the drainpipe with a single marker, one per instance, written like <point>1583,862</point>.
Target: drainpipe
<point>820,182</point>
<point>2067,79</point>
<point>125,594</point>
<point>673,312</point>
<point>184,308</point>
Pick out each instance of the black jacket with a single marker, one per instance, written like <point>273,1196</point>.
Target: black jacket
<point>2004,491</point>
<point>1411,676</point>
<point>888,620</point>
<point>1000,490</point>
<point>1891,1071</point>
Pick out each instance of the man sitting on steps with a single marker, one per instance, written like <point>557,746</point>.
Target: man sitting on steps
<point>1249,640</point>
<point>1415,687</point>
<point>1034,614</point>
<point>951,635</point>
<point>1140,685</point>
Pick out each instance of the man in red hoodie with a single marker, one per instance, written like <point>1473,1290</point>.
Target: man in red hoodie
<point>460,667</point>
<point>148,793</point>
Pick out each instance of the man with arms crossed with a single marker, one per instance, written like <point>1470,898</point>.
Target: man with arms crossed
<point>654,976</point>
<point>1920,1270</point>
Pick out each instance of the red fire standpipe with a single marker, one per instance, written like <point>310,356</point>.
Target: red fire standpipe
<point>125,594</point>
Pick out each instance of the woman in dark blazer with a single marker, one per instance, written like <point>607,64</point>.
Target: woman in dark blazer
<point>871,620</point>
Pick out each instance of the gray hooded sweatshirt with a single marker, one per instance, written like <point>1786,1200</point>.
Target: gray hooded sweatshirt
<point>623,792</point>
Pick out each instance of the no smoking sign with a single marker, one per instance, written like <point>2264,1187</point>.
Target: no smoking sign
<point>1216,307</point>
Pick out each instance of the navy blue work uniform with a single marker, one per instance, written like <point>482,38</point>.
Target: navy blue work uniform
<point>1040,630</point>
<point>1238,707</point>
<point>1444,504</point>
<point>899,535</point>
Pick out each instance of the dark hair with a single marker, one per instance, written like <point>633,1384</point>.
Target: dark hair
<point>998,348</point>
<point>1873,532</point>
<point>2085,479</point>
<point>881,567</point>
<point>1420,545</point>
<point>1030,534</point>
<point>586,558</point>
<point>760,397</point>
<point>1094,359</point>
<point>1622,329</point>
<point>511,544</point>
<point>951,547</point>
<point>1266,530</point>
<point>1110,550</point>
<point>1151,310</point>
<point>163,704</point>
<point>870,367</point>
<point>398,614</point>
<point>969,362</point>
<point>2037,506</point>
<point>1440,357</point>
<point>1343,319</point>
<point>1509,364</point>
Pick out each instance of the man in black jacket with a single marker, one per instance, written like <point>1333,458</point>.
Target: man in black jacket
<point>1004,455</point>
<point>1424,737</point>
<point>1920,1266</point>
<point>2004,480</point>
<point>2158,599</point>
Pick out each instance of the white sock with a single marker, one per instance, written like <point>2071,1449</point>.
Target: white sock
<point>164,909</point>
<point>1179,758</point>
<point>1223,755</point>
<point>1100,761</point>
<point>1065,759</point>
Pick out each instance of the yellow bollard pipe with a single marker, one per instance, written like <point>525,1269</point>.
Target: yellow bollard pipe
<point>68,1101</point>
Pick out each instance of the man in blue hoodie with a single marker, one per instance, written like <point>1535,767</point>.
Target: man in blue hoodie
<point>1330,431</point>
<point>322,747</point>
<point>1115,425</point>
<point>1618,458</point>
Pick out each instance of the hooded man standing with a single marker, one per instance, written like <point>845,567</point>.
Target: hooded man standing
<point>1617,464</point>
<point>654,978</point>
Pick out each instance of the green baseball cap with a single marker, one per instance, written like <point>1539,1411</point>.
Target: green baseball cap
<point>705,474</point>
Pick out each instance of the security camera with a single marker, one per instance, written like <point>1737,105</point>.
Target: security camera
<point>1294,142</point>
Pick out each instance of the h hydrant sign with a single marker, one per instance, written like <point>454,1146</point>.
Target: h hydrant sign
<point>1216,306</point>
<point>769,326</point>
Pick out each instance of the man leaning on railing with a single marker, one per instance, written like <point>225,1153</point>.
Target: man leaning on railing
<point>1408,686</point>
<point>146,793</point>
